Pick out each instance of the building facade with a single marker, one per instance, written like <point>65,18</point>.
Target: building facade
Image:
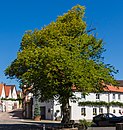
<point>86,106</point>
<point>8,97</point>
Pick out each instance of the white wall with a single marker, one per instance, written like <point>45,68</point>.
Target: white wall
<point>10,94</point>
<point>57,107</point>
<point>48,109</point>
<point>76,110</point>
<point>14,93</point>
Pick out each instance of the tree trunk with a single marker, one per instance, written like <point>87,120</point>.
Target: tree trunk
<point>65,111</point>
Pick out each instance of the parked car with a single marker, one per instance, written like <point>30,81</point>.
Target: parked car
<point>107,119</point>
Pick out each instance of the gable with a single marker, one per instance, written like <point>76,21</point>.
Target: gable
<point>14,92</point>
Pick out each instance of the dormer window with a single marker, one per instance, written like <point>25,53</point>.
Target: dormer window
<point>97,96</point>
<point>113,96</point>
<point>119,96</point>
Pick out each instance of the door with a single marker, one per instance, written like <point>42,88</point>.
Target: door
<point>42,111</point>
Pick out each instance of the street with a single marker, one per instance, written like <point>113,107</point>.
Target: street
<point>13,121</point>
<point>102,128</point>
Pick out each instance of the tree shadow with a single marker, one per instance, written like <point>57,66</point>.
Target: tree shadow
<point>19,127</point>
<point>47,125</point>
<point>16,113</point>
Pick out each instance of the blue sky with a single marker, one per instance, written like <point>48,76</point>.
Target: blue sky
<point>18,16</point>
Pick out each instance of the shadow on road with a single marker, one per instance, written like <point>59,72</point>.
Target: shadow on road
<point>16,113</point>
<point>19,127</point>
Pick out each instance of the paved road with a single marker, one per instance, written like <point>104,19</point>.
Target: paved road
<point>13,121</point>
<point>102,128</point>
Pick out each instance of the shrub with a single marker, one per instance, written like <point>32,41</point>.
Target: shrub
<point>84,124</point>
<point>36,110</point>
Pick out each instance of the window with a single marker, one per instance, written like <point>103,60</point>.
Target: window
<point>83,111</point>
<point>100,110</point>
<point>113,96</point>
<point>97,96</point>
<point>94,111</point>
<point>114,111</point>
<point>120,112</point>
<point>74,101</point>
<point>119,96</point>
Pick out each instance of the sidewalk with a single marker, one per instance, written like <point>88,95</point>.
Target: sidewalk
<point>41,121</point>
<point>4,116</point>
<point>15,114</point>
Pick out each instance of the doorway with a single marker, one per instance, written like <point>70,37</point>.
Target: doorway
<point>42,111</point>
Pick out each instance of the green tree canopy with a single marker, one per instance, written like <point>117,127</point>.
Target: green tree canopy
<point>60,55</point>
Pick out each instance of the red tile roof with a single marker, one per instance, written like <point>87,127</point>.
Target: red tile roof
<point>113,89</point>
<point>12,87</point>
<point>1,87</point>
<point>108,88</point>
<point>7,90</point>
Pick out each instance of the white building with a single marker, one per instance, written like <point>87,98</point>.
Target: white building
<point>86,107</point>
<point>8,96</point>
